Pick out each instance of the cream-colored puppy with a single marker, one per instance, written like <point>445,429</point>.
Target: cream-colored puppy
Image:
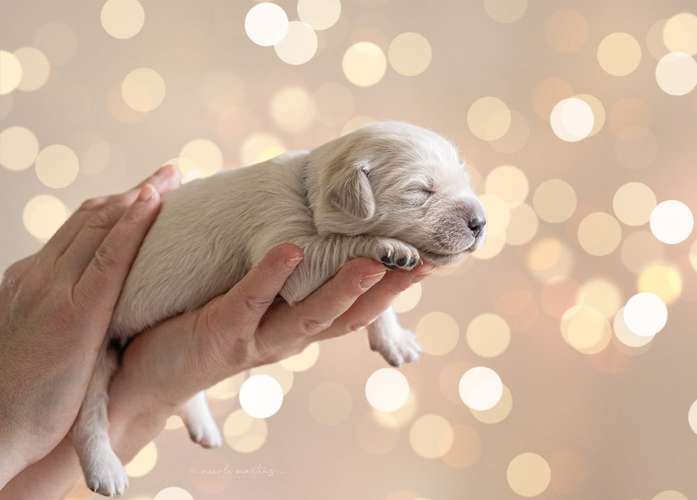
<point>390,191</point>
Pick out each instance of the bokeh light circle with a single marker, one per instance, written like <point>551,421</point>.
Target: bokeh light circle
<point>173,493</point>
<point>143,89</point>
<point>619,54</point>
<point>199,158</point>
<point>662,279</point>
<point>320,14</point>
<point>529,475</point>
<point>35,68</point>
<point>692,417</point>
<point>364,64</point>
<point>676,73</point>
<point>260,147</point>
<point>266,24</point>
<point>645,314</point>
<point>523,226</point>
<point>299,45</point>
<point>293,108</point>
<point>489,118</point>
<point>480,388</point>
<point>670,495</point>
<point>555,201</point>
<point>409,53</point>
<point>431,436</point>
<point>18,148</point>
<point>488,335</point>
<point>599,234</point>
<point>261,396</point>
<point>143,462</point>
<point>57,166</point>
<point>505,11</point>
<point>680,33</point>
<point>43,215</point>
<point>586,329</point>
<point>672,222</point>
<point>302,361</point>
<point>438,333</point>
<point>499,412</point>
<point>11,74</point>
<point>572,119</point>
<point>509,183</point>
<point>633,203</point>
<point>122,19</point>
<point>387,390</point>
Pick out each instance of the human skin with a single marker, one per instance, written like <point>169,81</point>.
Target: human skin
<point>48,347</point>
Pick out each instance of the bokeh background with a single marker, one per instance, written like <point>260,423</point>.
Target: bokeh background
<point>559,361</point>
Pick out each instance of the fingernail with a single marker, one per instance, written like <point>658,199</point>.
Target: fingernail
<point>370,280</point>
<point>147,193</point>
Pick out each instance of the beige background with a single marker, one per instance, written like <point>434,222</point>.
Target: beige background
<point>611,425</point>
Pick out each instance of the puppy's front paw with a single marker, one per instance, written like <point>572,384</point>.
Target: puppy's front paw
<point>397,348</point>
<point>205,432</point>
<point>394,253</point>
<point>105,474</point>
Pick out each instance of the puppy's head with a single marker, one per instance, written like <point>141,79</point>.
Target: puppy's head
<point>397,180</point>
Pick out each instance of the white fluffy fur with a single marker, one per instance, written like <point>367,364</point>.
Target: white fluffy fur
<point>387,191</point>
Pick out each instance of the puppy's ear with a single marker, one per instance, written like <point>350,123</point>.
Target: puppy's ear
<point>351,191</point>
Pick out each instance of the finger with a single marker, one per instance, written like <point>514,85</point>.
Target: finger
<point>100,284</point>
<point>319,310</point>
<point>241,308</point>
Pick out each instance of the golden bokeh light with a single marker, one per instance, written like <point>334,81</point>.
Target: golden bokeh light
<point>548,93</point>
<point>633,203</point>
<point>431,436</point>
<point>529,474</point>
<point>602,295</point>
<point>488,335</point>
<point>480,388</point>
<point>692,417</point>
<point>18,148</point>
<point>174,422</point>
<point>320,14</point>
<point>550,261</point>
<point>408,299</point>
<point>662,279</point>
<point>355,123</point>
<point>11,74</point>
<point>670,495</point>
<point>498,413</point>
<point>144,461</point>
<point>299,45</point>
<point>387,390</point>
<point>509,183</point>
<point>58,41</point>
<point>227,388</point>
<point>143,90</point>
<point>625,335</point>
<point>199,158</point>
<point>572,119</point>
<point>523,226</point>
<point>693,255</point>
<point>489,118</point>
<point>505,11</point>
<point>364,64</point>
<point>261,396</point>
<point>466,449</point>
<point>397,418</point>
<point>498,214</point>
<point>598,110</point>
<point>266,24</point>
<point>122,19</point>
<point>302,361</point>
<point>599,234</point>
<point>57,166</point>
<point>35,68</point>
<point>672,222</point>
<point>43,215</point>
<point>493,245</point>
<point>680,33</point>
<point>243,433</point>
<point>409,54</point>
<point>438,333</point>
<point>330,403</point>
<point>645,314</point>
<point>173,493</point>
<point>260,147</point>
<point>554,201</point>
<point>567,31</point>
<point>676,73</point>
<point>293,108</point>
<point>586,329</point>
<point>619,54</point>
<point>281,374</point>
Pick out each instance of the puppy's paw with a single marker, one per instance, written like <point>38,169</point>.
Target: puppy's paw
<point>394,253</point>
<point>397,348</point>
<point>105,474</point>
<point>205,432</point>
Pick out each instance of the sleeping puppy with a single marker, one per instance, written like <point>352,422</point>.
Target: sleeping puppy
<point>389,191</point>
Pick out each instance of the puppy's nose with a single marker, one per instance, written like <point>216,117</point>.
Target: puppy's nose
<point>476,225</point>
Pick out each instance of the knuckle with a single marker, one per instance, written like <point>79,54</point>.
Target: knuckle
<point>92,203</point>
<point>256,303</point>
<point>103,218</point>
<point>104,259</point>
<point>312,326</point>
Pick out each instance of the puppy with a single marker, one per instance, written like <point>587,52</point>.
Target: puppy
<point>389,191</point>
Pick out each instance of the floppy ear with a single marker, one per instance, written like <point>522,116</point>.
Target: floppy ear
<point>350,191</point>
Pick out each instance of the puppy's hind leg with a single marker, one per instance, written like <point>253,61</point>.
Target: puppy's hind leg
<point>103,470</point>
<point>200,423</point>
<point>396,344</point>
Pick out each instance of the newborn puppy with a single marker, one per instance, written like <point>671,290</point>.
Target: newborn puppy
<point>389,191</point>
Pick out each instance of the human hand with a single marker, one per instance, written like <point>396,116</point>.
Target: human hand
<point>55,307</point>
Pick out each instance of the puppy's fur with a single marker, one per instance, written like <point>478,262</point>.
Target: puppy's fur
<point>390,191</point>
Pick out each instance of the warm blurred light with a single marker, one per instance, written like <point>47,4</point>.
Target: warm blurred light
<point>625,335</point>
<point>672,222</point>
<point>554,201</point>
<point>645,314</point>
<point>173,493</point>
<point>549,92</point>
<point>58,41</point>
<point>640,249</point>
<point>243,433</point>
<point>670,495</point>
<point>619,54</point>
<point>320,14</point>
<point>330,403</point>
<point>550,261</point>
<point>408,299</point>
<point>57,166</point>
<point>508,183</point>
<point>680,33</point>
<point>143,89</point>
<point>431,436</point>
<point>466,449</point>
<point>122,18</point>
<point>303,361</point>
<point>199,158</point>
<point>529,474</point>
<point>227,388</point>
<point>438,333</point>
<point>599,234</point>
<point>693,255</point>
<point>692,417</point>
<point>398,418</point>
<point>43,215</point>
<point>387,390</point>
<point>35,68</point>
<point>18,148</point>
<point>293,108</point>
<point>488,335</point>
<point>277,371</point>
<point>299,45</point>
<point>498,413</point>
<point>602,295</point>
<point>505,11</point>
<point>144,461</point>
<point>261,396</point>
<point>567,31</point>
<point>633,203</point>
<point>498,215</point>
<point>523,226</point>
<point>517,136</point>
<point>174,422</point>
<point>364,64</point>
<point>598,109</point>
<point>266,24</point>
<point>480,388</point>
<point>260,147</point>
<point>572,119</point>
<point>11,74</point>
<point>409,54</point>
<point>586,329</point>
<point>676,73</point>
<point>489,118</point>
<point>663,280</point>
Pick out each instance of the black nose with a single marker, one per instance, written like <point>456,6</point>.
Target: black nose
<point>476,225</point>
